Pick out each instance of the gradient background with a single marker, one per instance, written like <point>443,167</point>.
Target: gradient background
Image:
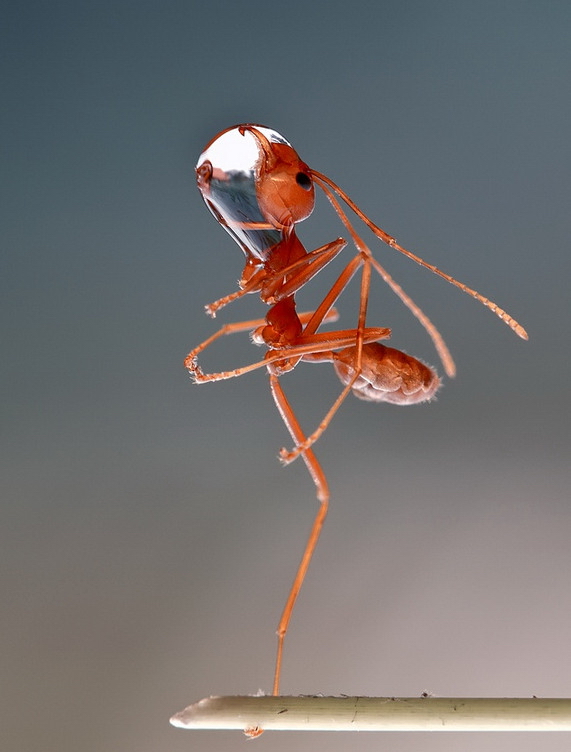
<point>148,533</point>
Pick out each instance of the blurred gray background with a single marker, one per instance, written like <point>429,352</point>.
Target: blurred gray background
<point>148,533</point>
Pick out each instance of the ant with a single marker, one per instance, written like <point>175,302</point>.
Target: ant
<point>258,188</point>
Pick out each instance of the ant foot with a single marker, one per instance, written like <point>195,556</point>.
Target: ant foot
<point>190,363</point>
<point>253,732</point>
<point>196,372</point>
<point>211,309</point>
<point>286,457</point>
<point>198,376</point>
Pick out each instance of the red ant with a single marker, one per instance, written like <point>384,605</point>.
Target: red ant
<point>257,187</point>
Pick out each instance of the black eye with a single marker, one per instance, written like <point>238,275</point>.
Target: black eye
<point>303,180</point>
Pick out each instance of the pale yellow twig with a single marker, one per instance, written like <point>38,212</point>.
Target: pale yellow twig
<point>376,714</point>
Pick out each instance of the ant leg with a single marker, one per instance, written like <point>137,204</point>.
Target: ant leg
<point>305,269</point>
<point>242,326</point>
<point>318,477</point>
<point>317,343</point>
<point>331,316</point>
<point>313,321</point>
<point>336,289</point>
<point>289,456</point>
<point>273,287</point>
<point>212,308</point>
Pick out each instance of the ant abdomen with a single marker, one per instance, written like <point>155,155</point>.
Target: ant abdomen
<point>387,375</point>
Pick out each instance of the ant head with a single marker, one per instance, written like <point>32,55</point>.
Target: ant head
<point>252,175</point>
<point>284,186</point>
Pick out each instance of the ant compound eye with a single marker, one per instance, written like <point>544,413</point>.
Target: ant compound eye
<point>303,180</point>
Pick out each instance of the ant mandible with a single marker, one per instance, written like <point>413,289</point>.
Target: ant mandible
<point>257,187</point>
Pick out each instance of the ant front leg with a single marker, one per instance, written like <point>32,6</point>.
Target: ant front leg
<point>272,286</point>
<point>301,271</point>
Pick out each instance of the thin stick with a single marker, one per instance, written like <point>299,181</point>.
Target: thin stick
<point>376,714</point>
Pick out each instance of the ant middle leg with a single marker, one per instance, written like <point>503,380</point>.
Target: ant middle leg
<point>190,362</point>
<point>291,354</point>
